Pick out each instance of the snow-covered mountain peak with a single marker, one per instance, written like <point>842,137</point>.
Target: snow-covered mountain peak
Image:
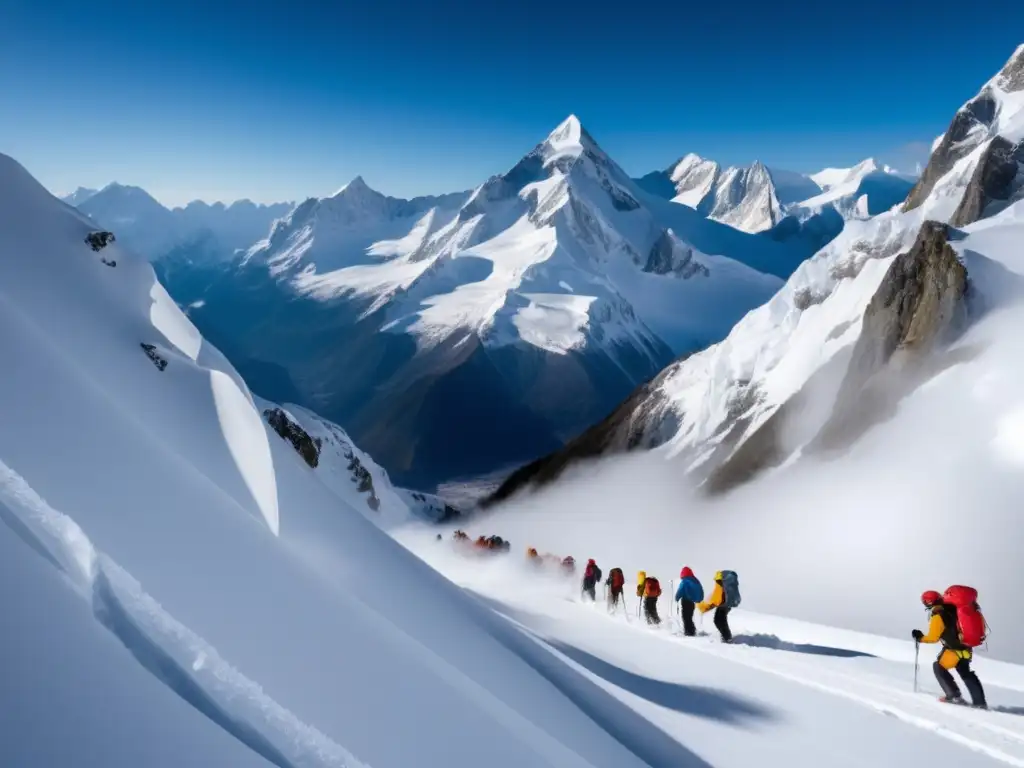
<point>79,196</point>
<point>355,188</point>
<point>687,164</point>
<point>569,133</point>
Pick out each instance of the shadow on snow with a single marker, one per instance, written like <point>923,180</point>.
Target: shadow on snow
<point>698,701</point>
<point>773,642</point>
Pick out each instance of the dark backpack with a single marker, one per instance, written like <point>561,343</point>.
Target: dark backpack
<point>730,589</point>
<point>652,588</point>
<point>616,578</point>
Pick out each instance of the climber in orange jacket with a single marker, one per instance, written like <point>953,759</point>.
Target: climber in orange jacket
<point>649,590</point>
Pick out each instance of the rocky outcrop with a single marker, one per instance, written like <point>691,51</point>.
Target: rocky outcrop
<point>919,303</point>
<point>434,508</point>
<point>159,361</point>
<point>967,130</point>
<point>995,180</point>
<point>1011,78</point>
<point>970,126</point>
<point>305,446</point>
<point>363,479</point>
<point>99,240</point>
<point>669,256</point>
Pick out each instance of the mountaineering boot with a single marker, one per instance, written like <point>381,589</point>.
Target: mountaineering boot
<point>952,699</point>
<point>972,683</point>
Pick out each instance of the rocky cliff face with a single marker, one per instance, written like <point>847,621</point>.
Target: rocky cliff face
<point>304,445</point>
<point>996,182</point>
<point>971,126</point>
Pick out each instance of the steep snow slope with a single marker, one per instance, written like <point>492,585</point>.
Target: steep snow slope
<point>205,546</point>
<point>794,374</point>
<point>72,694</point>
<point>545,295</point>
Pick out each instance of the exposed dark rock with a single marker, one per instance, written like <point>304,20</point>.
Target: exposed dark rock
<point>109,263</point>
<point>155,356</point>
<point>99,240</point>
<point>363,479</point>
<point>668,255</point>
<point>976,114</point>
<point>920,302</point>
<point>306,446</point>
<point>1011,78</point>
<point>621,200</point>
<point>993,181</point>
<point>805,298</point>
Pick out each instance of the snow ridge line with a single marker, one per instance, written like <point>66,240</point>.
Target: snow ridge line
<point>887,709</point>
<point>171,652</point>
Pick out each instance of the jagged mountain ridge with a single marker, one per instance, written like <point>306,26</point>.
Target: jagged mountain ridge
<point>781,204</point>
<point>547,293</point>
<point>750,198</point>
<point>813,369</point>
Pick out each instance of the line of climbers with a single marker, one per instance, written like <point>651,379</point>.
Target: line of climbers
<point>490,543</point>
<point>689,594</point>
<point>955,620</point>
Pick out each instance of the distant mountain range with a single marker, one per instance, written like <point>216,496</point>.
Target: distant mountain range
<point>153,230</point>
<point>459,334</point>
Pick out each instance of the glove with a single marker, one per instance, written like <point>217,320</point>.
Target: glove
<point>917,634</point>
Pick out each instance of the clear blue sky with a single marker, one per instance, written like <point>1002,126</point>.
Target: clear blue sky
<point>281,100</point>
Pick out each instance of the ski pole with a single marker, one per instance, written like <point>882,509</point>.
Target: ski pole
<point>917,650</point>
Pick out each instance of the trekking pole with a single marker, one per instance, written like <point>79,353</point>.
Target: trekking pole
<point>672,611</point>
<point>917,650</point>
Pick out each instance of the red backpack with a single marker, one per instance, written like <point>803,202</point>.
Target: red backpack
<point>618,580</point>
<point>970,623</point>
<point>653,588</point>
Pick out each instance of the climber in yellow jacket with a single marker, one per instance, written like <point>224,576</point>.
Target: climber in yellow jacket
<point>717,601</point>
<point>942,628</point>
